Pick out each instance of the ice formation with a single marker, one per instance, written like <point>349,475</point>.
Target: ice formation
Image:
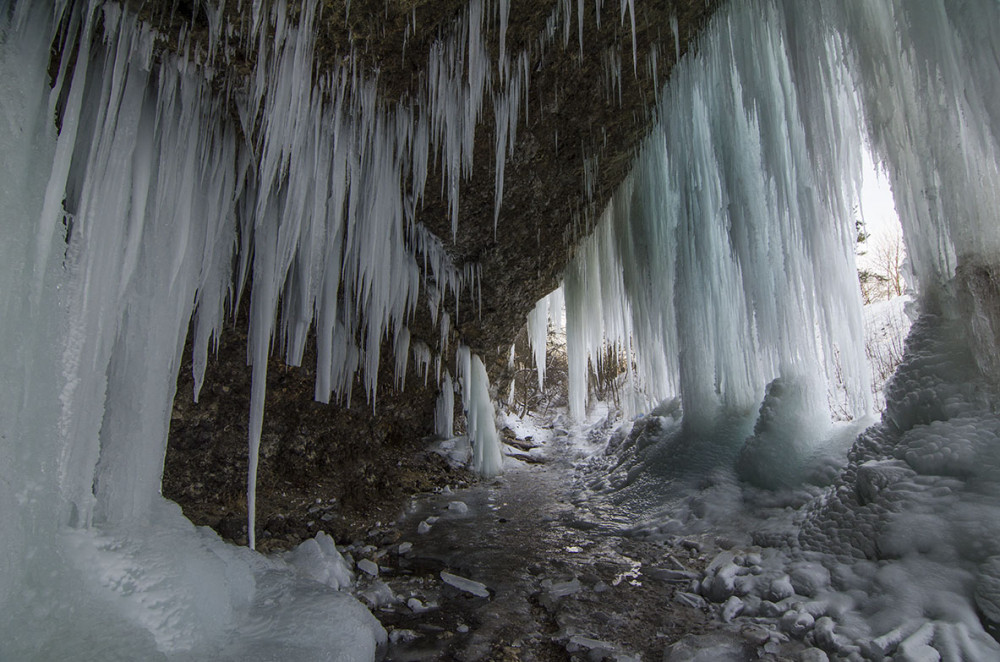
<point>726,259</point>
<point>159,199</point>
<point>444,409</point>
<point>480,414</point>
<point>722,265</point>
<point>734,231</point>
<point>317,208</point>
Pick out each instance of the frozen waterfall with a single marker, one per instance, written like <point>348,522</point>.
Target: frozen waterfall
<point>722,265</point>
<point>725,260</point>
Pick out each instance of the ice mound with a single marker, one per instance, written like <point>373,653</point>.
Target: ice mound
<point>919,499</point>
<point>168,590</point>
<point>319,560</point>
<point>786,438</point>
<point>926,470</point>
<point>899,557</point>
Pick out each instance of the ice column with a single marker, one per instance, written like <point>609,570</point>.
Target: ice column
<point>479,412</point>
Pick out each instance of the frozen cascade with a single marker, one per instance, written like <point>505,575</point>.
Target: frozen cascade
<point>444,409</point>
<point>756,164</point>
<point>726,258</point>
<point>479,412</point>
<point>320,218</point>
<point>751,161</point>
<point>151,208</point>
<point>732,239</point>
<point>143,228</point>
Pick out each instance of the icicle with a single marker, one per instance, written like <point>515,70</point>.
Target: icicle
<point>444,410</point>
<point>402,354</point>
<point>421,359</point>
<point>480,415</point>
<point>52,210</point>
<point>693,226</point>
<point>676,32</point>
<point>538,332</point>
<point>629,5</point>
<point>503,8</point>
<point>463,368</point>
<point>445,332</point>
<point>263,301</point>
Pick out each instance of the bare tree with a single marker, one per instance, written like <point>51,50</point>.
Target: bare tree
<point>889,256</point>
<point>872,285</point>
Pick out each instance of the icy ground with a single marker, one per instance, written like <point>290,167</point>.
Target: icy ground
<point>641,542</point>
<point>514,569</point>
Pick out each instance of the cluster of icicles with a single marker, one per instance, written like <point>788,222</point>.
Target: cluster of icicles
<point>725,260</point>
<point>312,196</point>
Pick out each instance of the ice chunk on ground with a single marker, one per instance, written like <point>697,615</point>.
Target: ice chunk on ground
<point>732,608</point>
<point>378,595</point>
<point>418,607</point>
<point>719,647</point>
<point>368,567</point>
<point>319,560</point>
<point>562,589</point>
<point>467,585</point>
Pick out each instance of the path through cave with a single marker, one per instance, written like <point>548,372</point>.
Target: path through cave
<point>562,585</point>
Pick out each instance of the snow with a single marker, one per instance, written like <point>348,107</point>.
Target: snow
<point>889,554</point>
<point>887,324</point>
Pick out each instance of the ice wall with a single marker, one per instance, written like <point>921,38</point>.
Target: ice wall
<point>726,259</point>
<point>311,194</point>
<point>142,193</point>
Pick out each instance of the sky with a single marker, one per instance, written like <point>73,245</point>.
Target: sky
<point>877,208</point>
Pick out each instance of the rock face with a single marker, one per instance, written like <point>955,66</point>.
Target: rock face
<point>590,100</point>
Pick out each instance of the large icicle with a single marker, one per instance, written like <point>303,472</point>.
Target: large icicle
<point>480,415</point>
<point>538,334</point>
<point>444,409</point>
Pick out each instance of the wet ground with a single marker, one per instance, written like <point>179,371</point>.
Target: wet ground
<point>553,584</point>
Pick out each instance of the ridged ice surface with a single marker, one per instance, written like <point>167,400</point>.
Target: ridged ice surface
<point>726,259</point>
